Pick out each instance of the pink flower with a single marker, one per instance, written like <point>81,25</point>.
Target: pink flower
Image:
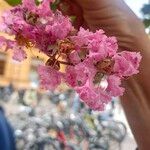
<point>105,97</point>
<point>76,76</point>
<point>70,76</point>
<point>49,77</point>
<point>81,38</point>
<point>90,97</point>
<point>2,42</point>
<point>114,88</point>
<point>102,48</point>
<point>95,98</point>
<point>92,57</point>
<point>19,54</point>
<point>133,57</point>
<point>87,94</point>
<point>74,57</point>
<point>126,63</point>
<point>60,27</point>
<point>98,44</point>
<point>82,73</point>
<point>29,4</point>
<point>85,37</point>
<point>44,8</point>
<point>112,46</point>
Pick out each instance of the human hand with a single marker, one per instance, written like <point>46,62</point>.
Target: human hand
<point>116,19</point>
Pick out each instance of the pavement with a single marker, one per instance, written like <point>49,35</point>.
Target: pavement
<point>129,142</point>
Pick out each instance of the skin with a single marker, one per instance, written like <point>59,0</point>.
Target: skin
<point>116,19</point>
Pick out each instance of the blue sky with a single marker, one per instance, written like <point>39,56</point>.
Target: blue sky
<point>136,5</point>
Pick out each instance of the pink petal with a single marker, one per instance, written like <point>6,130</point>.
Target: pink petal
<point>114,88</point>
<point>49,77</point>
<point>19,54</point>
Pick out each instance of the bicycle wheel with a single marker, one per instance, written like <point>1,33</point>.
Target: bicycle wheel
<point>99,143</point>
<point>117,131</point>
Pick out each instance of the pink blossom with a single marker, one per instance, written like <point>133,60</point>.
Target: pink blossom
<point>74,57</point>
<point>19,54</point>
<point>112,46</point>
<point>89,96</point>
<point>70,76</point>
<point>92,57</point>
<point>82,73</point>
<point>126,64</point>
<point>114,87</point>
<point>49,77</point>
<point>44,8</point>
<point>82,37</point>
<point>133,57</point>
<point>104,96</point>
<point>7,44</point>
<point>96,42</point>
<point>102,48</point>
<point>76,76</point>
<point>2,42</point>
<point>29,4</point>
<point>95,98</point>
<point>60,27</point>
<point>4,28</point>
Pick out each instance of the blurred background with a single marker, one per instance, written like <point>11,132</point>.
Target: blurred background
<point>58,120</point>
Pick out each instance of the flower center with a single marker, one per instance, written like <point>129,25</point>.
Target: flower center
<point>65,46</point>
<point>31,17</point>
<point>53,63</point>
<point>22,41</point>
<point>105,66</point>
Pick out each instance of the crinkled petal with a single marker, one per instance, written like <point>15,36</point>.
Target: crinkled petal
<point>133,57</point>
<point>126,63</point>
<point>74,57</point>
<point>2,42</point>
<point>94,98</point>
<point>112,46</point>
<point>49,77</point>
<point>70,76</point>
<point>29,4</point>
<point>44,8</point>
<point>6,43</point>
<point>61,26</point>
<point>114,87</point>
<point>19,54</point>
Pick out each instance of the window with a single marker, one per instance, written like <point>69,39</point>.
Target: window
<point>2,63</point>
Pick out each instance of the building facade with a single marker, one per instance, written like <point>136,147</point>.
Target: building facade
<point>20,74</point>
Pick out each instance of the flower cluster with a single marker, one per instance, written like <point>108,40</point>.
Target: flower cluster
<point>94,68</point>
<point>34,26</point>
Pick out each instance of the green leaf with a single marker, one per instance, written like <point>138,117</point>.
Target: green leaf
<point>73,18</point>
<point>146,9</point>
<point>13,2</point>
<point>146,22</point>
<point>17,2</point>
<point>55,5</point>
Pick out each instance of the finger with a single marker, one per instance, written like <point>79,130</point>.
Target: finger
<point>71,8</point>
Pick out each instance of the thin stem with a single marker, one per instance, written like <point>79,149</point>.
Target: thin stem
<point>56,60</point>
<point>65,63</point>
